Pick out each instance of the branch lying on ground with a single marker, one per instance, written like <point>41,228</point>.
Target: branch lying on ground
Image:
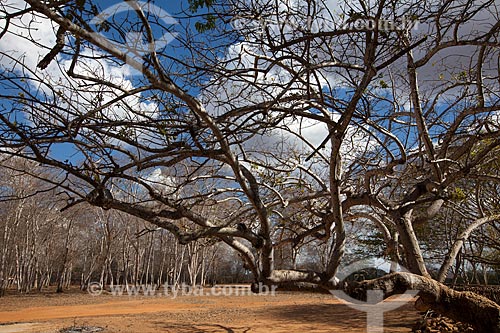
<point>482,313</point>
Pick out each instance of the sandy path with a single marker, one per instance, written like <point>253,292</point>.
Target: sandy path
<point>284,313</point>
<point>75,311</point>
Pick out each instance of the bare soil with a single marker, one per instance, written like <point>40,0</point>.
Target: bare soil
<point>286,312</point>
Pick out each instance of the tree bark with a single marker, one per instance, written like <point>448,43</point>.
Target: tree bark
<point>415,261</point>
<point>338,216</point>
<point>482,313</point>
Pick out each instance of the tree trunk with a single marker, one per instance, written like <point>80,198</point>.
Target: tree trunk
<point>414,259</point>
<point>63,268</point>
<point>337,216</point>
<point>482,313</point>
<point>459,242</point>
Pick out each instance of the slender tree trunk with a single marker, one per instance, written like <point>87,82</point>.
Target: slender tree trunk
<point>459,242</point>
<point>60,281</point>
<point>4,278</point>
<point>485,274</point>
<point>458,264</point>
<point>163,261</point>
<point>414,258</point>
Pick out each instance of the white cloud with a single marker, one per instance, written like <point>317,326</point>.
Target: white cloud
<point>29,37</point>
<point>259,78</point>
<point>165,185</point>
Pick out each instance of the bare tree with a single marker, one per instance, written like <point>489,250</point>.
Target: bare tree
<point>365,109</point>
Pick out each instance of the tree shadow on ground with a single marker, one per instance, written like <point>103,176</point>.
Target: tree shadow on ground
<point>339,315</point>
<point>329,314</point>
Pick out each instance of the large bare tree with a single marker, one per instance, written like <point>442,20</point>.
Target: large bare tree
<point>263,124</point>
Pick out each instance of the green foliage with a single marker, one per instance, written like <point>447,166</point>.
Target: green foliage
<point>461,76</point>
<point>209,20</point>
<point>195,5</point>
<point>208,24</point>
<point>165,130</point>
<point>383,84</point>
<point>370,244</point>
<point>458,194</point>
<point>353,15</point>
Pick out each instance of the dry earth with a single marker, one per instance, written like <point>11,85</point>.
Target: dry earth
<point>286,312</point>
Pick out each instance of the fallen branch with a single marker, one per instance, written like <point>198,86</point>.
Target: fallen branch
<point>482,313</point>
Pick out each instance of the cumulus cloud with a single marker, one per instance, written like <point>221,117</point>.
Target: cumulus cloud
<point>29,38</point>
<point>257,77</point>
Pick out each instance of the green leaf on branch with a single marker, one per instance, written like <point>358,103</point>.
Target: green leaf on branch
<point>195,5</point>
<point>208,24</point>
<point>458,194</point>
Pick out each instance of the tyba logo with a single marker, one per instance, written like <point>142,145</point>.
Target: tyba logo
<point>136,43</point>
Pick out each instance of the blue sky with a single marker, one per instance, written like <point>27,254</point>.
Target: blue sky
<point>174,49</point>
<point>44,33</point>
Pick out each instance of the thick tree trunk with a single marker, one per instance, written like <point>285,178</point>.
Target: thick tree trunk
<point>337,213</point>
<point>482,313</point>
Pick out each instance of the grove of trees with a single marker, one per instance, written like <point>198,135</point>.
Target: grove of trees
<point>42,247</point>
<point>273,127</point>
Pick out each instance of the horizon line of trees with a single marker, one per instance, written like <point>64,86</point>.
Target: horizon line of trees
<point>42,247</point>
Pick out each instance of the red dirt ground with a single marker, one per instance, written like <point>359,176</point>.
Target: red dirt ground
<point>286,312</point>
